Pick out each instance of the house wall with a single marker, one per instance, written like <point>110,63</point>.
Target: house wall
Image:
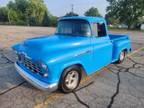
<point>142,27</point>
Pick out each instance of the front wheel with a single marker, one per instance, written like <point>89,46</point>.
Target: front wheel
<point>70,80</point>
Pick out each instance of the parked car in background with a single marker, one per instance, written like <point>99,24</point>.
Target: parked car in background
<point>81,45</point>
<point>122,26</point>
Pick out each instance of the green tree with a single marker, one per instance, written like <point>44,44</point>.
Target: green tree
<point>111,20</point>
<point>53,21</point>
<point>49,20</point>
<point>92,12</point>
<point>27,12</point>
<point>3,14</point>
<point>13,16</point>
<point>46,20</point>
<point>12,5</point>
<point>17,11</point>
<point>32,21</point>
<point>21,5</point>
<point>71,14</point>
<point>36,9</point>
<point>126,11</point>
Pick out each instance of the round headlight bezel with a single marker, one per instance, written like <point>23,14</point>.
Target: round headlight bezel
<point>43,66</point>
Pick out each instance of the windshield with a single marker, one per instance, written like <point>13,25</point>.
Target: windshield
<point>74,27</point>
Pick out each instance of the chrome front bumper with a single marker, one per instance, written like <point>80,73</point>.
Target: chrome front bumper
<point>35,82</point>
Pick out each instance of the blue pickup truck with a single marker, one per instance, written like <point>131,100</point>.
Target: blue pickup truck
<point>80,46</point>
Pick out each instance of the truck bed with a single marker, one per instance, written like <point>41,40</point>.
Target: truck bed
<point>117,37</point>
<point>119,42</point>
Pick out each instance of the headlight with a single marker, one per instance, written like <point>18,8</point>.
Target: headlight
<point>44,66</point>
<point>44,69</point>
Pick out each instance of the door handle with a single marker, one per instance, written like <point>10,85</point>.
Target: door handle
<point>88,51</point>
<point>85,52</point>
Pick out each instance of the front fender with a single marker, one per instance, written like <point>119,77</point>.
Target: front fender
<point>56,68</point>
<point>81,57</point>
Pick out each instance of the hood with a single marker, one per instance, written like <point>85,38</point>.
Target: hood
<point>51,45</point>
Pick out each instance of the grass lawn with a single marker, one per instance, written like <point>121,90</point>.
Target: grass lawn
<point>116,29</point>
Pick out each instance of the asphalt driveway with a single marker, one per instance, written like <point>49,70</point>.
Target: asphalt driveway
<point>114,86</point>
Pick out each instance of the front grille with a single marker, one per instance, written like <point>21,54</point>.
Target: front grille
<point>30,65</point>
<point>34,67</point>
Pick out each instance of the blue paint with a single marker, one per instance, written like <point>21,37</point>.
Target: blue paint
<point>58,52</point>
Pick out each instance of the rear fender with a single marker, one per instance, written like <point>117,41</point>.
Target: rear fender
<point>119,47</point>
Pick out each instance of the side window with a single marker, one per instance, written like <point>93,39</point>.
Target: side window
<point>94,29</point>
<point>101,29</point>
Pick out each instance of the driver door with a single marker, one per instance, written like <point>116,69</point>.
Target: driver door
<point>102,46</point>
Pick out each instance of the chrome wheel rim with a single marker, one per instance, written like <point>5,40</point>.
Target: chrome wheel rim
<point>72,79</point>
<point>122,56</point>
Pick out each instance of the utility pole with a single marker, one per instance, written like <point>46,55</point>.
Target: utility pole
<point>72,8</point>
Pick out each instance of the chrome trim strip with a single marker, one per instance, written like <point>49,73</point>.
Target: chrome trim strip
<point>35,82</point>
<point>85,52</point>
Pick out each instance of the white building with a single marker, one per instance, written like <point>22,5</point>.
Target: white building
<point>142,26</point>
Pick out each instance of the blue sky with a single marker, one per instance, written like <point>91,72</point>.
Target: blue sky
<point>60,7</point>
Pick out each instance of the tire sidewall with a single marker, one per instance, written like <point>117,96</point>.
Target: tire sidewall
<point>121,60</point>
<point>62,84</point>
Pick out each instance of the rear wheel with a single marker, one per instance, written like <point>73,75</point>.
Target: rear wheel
<point>70,79</point>
<point>121,57</point>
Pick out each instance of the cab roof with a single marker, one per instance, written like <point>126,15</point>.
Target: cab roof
<point>89,19</point>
